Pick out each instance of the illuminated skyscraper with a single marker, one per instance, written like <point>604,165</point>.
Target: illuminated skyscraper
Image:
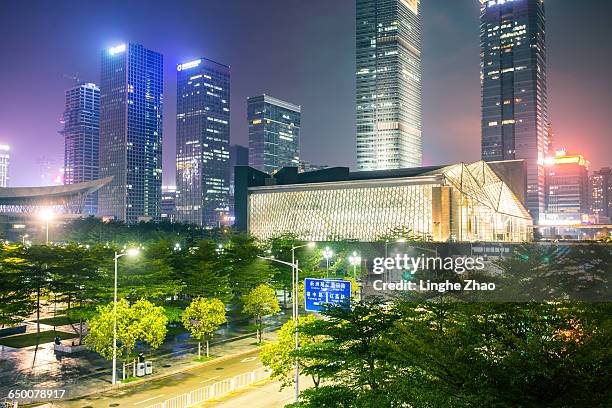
<point>567,188</point>
<point>131,96</point>
<point>600,191</point>
<point>202,142</point>
<point>389,89</point>
<point>4,165</point>
<point>515,123</point>
<point>81,131</point>
<point>274,133</point>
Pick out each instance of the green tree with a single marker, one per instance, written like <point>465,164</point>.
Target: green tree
<point>201,272</point>
<point>349,352</point>
<point>202,317</point>
<point>16,302</point>
<point>279,355</point>
<point>259,302</point>
<point>242,266</point>
<point>151,276</point>
<point>142,321</point>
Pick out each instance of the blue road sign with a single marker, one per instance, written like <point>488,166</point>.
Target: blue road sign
<point>321,292</point>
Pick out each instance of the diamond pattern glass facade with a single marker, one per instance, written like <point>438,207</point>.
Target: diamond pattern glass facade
<point>389,89</point>
<point>455,203</point>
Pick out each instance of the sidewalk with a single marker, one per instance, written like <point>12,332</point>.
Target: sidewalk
<point>79,374</point>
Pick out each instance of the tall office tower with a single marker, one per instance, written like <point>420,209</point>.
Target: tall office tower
<point>202,142</point>
<point>515,121</point>
<point>131,96</point>
<point>389,89</point>
<point>5,158</point>
<point>168,204</point>
<point>601,194</point>
<point>239,156</point>
<point>567,188</point>
<point>81,131</point>
<point>274,133</point>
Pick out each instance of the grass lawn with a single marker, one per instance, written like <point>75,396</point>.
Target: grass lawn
<point>32,339</point>
<point>56,321</point>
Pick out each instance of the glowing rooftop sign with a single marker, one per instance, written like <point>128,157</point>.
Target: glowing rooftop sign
<point>117,49</point>
<point>188,65</point>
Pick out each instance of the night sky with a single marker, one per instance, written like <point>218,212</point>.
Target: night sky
<point>299,50</point>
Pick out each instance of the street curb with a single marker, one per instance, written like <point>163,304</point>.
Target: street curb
<point>168,374</point>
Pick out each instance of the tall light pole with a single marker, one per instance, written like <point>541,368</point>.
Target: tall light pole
<point>46,215</point>
<point>295,273</point>
<point>354,260</point>
<point>130,252</point>
<point>327,254</point>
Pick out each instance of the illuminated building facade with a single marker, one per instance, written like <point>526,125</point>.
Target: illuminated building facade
<point>168,203</point>
<point>5,158</point>
<point>274,133</point>
<point>567,191</point>
<point>462,202</point>
<point>515,122</point>
<point>81,131</point>
<point>202,142</point>
<point>131,100</point>
<point>600,188</point>
<point>389,87</point>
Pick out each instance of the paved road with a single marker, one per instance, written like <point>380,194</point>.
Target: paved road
<point>143,395</point>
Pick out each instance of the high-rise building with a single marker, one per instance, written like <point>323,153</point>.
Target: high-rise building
<point>239,156</point>
<point>131,97</point>
<point>601,193</point>
<point>567,191</point>
<point>515,123</point>
<point>389,88</point>
<point>274,133</point>
<point>5,158</point>
<point>168,204</point>
<point>81,131</point>
<point>202,142</point>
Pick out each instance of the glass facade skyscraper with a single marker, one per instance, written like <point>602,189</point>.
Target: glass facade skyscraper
<point>274,133</point>
<point>515,119</point>
<point>81,131</point>
<point>131,100</point>
<point>389,89</point>
<point>202,142</point>
<point>4,165</point>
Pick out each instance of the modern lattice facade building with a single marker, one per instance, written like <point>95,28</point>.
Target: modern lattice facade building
<point>461,202</point>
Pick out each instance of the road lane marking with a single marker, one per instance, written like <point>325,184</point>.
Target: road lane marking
<point>246,360</point>
<point>210,379</point>
<point>147,400</point>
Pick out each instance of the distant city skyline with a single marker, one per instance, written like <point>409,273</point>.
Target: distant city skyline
<point>298,67</point>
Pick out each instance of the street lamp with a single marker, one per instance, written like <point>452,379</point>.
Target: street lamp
<point>354,260</point>
<point>327,254</point>
<point>129,252</point>
<point>46,215</point>
<point>295,304</point>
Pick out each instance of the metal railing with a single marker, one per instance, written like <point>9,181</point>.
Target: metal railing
<point>216,390</point>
